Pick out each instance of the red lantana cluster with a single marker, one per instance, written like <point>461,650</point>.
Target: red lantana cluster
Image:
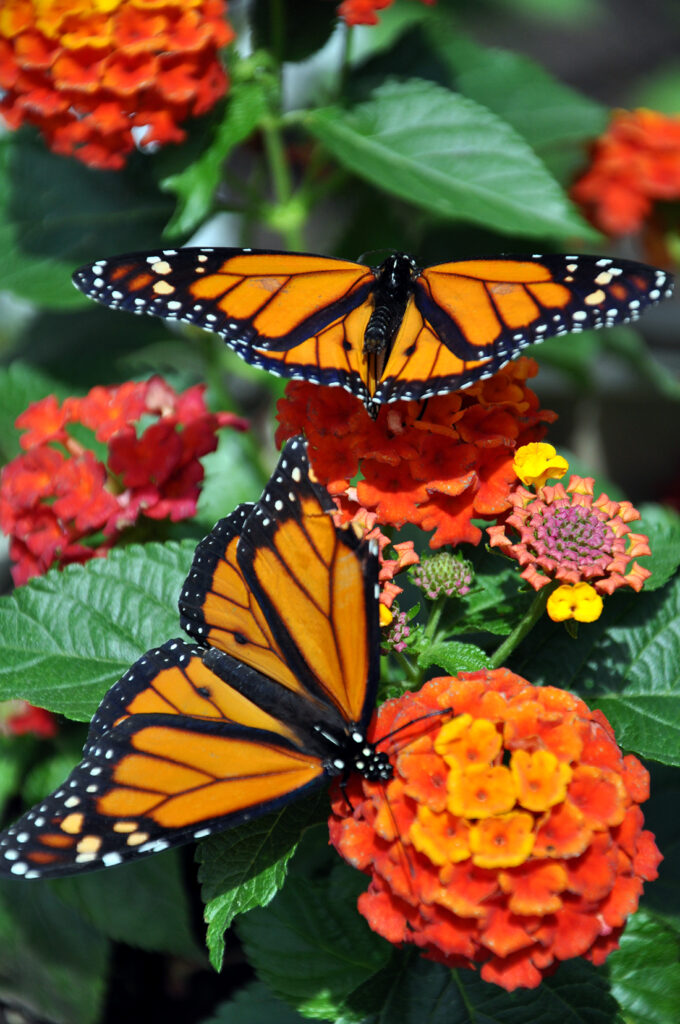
<point>362,12</point>
<point>90,73</point>
<point>60,503</point>
<point>437,465</point>
<point>634,164</point>
<point>19,718</point>
<point>510,835</point>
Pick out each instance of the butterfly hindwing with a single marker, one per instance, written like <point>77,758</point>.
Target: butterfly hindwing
<point>306,317</point>
<point>173,754</point>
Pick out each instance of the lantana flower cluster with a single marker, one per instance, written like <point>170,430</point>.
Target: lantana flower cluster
<point>61,503</point>
<point>19,718</point>
<point>364,524</point>
<point>363,12</point>
<point>568,535</point>
<point>91,73</point>
<point>510,835</point>
<point>437,465</point>
<point>635,164</point>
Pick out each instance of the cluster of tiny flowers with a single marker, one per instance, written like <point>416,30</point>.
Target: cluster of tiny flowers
<point>509,836</point>
<point>569,536</point>
<point>437,466</point>
<point>362,12</point>
<point>443,573</point>
<point>397,632</point>
<point>634,165</point>
<point>59,503</point>
<point>92,73</point>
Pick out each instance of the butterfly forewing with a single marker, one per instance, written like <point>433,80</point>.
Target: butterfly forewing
<point>199,737</point>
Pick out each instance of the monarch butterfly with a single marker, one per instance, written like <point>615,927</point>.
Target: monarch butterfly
<point>274,694</point>
<point>384,333</point>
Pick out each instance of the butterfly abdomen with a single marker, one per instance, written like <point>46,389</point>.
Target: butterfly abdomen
<point>391,293</point>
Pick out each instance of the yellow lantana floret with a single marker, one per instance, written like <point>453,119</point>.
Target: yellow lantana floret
<point>441,837</point>
<point>468,743</point>
<point>577,601</point>
<point>537,462</point>
<point>502,842</point>
<point>481,793</point>
<point>540,779</point>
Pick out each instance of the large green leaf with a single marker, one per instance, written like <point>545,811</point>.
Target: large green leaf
<point>143,904</point>
<point>51,960</point>
<point>254,1004</point>
<point>627,664</point>
<point>449,155</point>
<point>661,525</point>
<point>66,637</point>
<point>311,946</point>
<point>454,657</point>
<point>645,971</point>
<point>245,867</point>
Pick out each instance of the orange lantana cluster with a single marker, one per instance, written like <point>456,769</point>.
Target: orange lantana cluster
<point>633,165</point>
<point>510,835</point>
<point>437,465</point>
<point>90,73</point>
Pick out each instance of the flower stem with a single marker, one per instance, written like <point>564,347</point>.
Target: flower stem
<point>526,624</point>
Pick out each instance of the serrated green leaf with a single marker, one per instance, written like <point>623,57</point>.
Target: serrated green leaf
<point>51,960</point>
<point>645,971</point>
<point>497,599</point>
<point>254,1004</point>
<point>311,946</point>
<point>20,384</point>
<point>245,867</point>
<point>412,990</point>
<point>627,664</point>
<point>143,904</point>
<point>67,636</point>
<point>662,525</point>
<point>454,657</point>
<point>450,156</point>
<point>544,111</point>
<point>195,186</point>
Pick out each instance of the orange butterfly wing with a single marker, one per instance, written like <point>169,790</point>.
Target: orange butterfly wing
<point>468,318</point>
<point>196,738</point>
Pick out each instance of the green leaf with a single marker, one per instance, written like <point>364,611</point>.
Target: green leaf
<point>57,213</point>
<point>20,384</point>
<point>547,113</point>
<point>196,185</point>
<point>497,599</point>
<point>232,476</point>
<point>627,664</point>
<point>51,960</point>
<point>630,347</point>
<point>662,525</point>
<point>412,990</point>
<point>245,867</point>
<point>143,904</point>
<point>645,971</point>
<point>454,657</point>
<point>449,155</point>
<point>67,636</point>
<point>254,1004</point>
<point>311,946</point>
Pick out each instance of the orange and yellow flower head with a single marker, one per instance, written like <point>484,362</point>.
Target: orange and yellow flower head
<point>92,74</point>
<point>511,833</point>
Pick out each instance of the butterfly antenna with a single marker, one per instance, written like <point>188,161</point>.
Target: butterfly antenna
<point>414,721</point>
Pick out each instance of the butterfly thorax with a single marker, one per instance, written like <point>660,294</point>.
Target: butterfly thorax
<point>352,752</point>
<point>391,292</point>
